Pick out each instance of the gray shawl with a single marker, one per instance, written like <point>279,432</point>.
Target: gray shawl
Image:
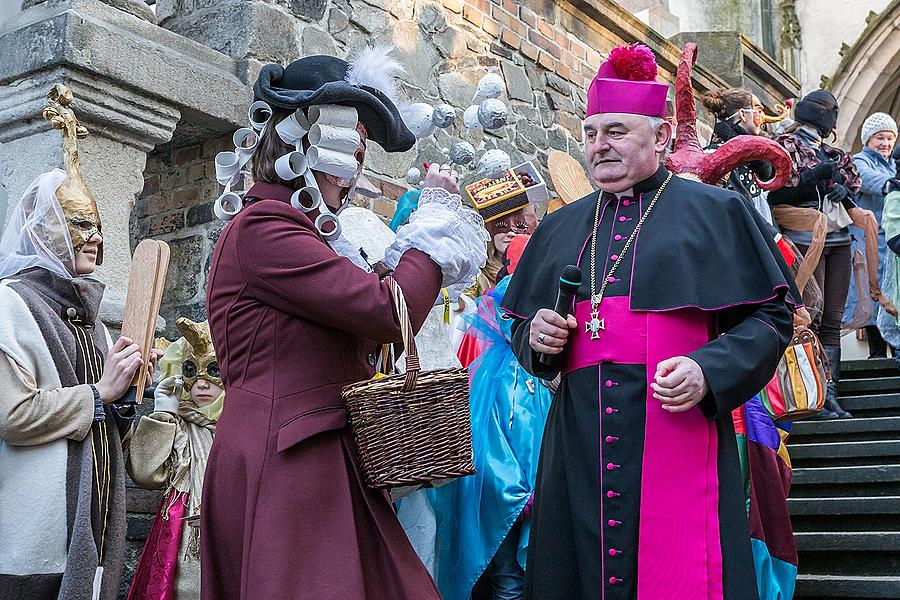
<point>48,296</point>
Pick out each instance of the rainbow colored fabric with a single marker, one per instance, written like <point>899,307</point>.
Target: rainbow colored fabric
<point>766,468</point>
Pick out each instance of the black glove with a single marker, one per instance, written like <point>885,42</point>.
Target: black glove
<point>825,170</point>
<point>838,193</point>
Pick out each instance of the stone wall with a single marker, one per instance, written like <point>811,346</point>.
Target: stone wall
<point>176,206</point>
<point>547,51</point>
<point>825,26</point>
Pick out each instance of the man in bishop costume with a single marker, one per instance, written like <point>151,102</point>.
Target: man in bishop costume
<point>683,314</point>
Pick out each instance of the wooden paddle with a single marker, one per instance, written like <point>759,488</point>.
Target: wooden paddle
<point>149,267</point>
<point>568,176</point>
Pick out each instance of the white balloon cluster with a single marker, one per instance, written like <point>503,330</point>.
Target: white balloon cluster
<point>492,112</point>
<point>423,119</point>
<point>493,163</point>
<point>487,112</point>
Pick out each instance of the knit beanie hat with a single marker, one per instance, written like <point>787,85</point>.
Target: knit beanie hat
<point>877,122</point>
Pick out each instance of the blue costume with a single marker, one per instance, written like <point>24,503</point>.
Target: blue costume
<point>508,412</point>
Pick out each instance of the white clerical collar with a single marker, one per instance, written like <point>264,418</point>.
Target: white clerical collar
<point>629,193</point>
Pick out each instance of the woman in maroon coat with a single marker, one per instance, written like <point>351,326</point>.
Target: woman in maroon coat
<point>286,513</point>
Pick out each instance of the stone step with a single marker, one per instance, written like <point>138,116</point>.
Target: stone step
<point>849,475</point>
<point>867,513</point>
<point>856,429</point>
<point>848,541</point>
<point>868,384</point>
<point>843,482</point>
<point>886,451</point>
<point>875,367</point>
<point>851,505</point>
<point>841,587</point>
<point>872,405</point>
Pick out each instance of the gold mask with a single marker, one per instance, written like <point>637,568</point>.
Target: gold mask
<point>199,357</point>
<point>76,200</point>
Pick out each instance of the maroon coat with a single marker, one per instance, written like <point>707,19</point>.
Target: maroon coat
<point>286,514</point>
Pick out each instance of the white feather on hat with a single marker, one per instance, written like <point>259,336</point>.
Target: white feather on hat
<point>374,67</point>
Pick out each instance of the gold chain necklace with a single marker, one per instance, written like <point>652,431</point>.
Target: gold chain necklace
<point>595,325</point>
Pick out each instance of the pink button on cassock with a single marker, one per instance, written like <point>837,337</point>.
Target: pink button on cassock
<point>613,523</point>
<point>611,279</point>
<point>626,202</point>
<point>610,439</point>
<point>614,552</point>
<point>614,257</point>
<point>612,494</point>
<point>609,383</point>
<point>622,219</point>
<point>611,466</point>
<point>614,580</point>
<point>610,410</point>
<point>618,237</point>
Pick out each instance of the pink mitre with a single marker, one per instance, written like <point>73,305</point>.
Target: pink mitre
<point>626,83</point>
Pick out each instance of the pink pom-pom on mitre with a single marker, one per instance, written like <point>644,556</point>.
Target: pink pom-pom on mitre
<point>634,62</point>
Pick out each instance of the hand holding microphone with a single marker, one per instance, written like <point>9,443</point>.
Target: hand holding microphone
<point>550,328</point>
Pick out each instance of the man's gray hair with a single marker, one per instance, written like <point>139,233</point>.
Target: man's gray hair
<point>655,123</point>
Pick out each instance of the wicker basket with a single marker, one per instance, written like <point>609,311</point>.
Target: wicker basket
<point>411,428</point>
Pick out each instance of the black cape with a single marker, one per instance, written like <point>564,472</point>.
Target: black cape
<point>700,247</point>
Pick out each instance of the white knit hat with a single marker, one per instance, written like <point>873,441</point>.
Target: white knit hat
<point>877,122</point>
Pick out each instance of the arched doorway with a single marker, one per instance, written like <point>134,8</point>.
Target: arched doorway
<point>868,78</point>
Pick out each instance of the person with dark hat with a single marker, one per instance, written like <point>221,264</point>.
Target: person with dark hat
<point>827,182</point>
<point>295,315</point>
<point>683,313</point>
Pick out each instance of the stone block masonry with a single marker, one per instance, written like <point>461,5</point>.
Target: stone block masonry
<point>176,206</point>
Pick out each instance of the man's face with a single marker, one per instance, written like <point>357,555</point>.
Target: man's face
<point>622,149</point>
<point>883,143</point>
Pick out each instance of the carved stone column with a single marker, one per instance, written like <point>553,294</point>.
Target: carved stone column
<point>133,83</point>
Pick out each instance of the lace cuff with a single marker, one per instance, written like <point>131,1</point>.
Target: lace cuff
<point>448,232</point>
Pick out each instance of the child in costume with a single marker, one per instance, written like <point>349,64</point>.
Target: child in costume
<point>482,520</point>
<point>168,450</point>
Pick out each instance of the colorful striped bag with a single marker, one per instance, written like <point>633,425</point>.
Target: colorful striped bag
<point>797,391</point>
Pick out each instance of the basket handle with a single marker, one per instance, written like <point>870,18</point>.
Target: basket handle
<point>409,338</point>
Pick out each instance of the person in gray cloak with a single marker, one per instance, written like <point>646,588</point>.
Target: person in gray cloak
<point>62,481</point>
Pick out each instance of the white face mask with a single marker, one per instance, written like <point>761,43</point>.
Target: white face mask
<point>348,184</point>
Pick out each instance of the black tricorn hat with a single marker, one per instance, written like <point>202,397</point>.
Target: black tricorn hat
<point>330,80</point>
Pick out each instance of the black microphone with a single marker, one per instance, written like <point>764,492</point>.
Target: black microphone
<point>569,282</point>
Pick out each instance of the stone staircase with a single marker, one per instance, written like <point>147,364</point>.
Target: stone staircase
<point>845,497</point>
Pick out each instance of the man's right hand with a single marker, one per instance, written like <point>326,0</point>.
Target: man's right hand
<point>549,331</point>
<point>122,362</point>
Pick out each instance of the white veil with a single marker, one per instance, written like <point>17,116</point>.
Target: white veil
<point>36,221</point>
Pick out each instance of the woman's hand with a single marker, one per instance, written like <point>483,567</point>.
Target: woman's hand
<point>442,176</point>
<point>802,317</point>
<point>121,363</point>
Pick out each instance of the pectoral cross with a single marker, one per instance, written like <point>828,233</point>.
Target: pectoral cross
<point>595,325</point>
